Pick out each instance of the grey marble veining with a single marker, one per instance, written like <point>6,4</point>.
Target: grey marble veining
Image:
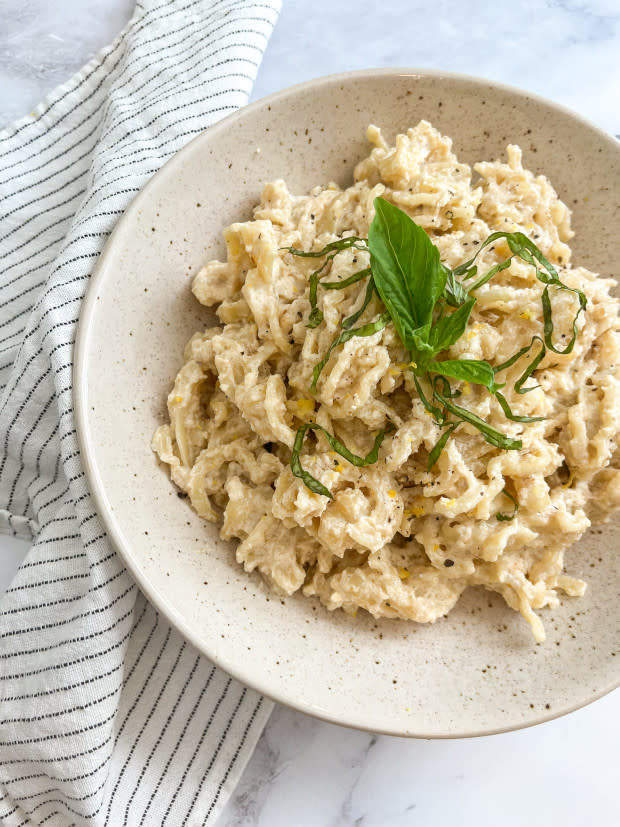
<point>305,773</point>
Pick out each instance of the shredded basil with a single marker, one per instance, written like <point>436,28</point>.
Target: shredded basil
<point>308,480</point>
<point>350,320</point>
<point>311,482</point>
<point>364,330</point>
<point>491,435</point>
<point>506,518</point>
<point>330,251</point>
<point>525,249</point>
<point>435,412</point>
<point>548,321</point>
<point>333,246</point>
<point>316,315</point>
<point>531,367</point>
<point>441,444</point>
<point>509,414</point>
<point>340,285</point>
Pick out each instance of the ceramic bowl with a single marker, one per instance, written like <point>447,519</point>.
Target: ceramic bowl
<point>474,672</point>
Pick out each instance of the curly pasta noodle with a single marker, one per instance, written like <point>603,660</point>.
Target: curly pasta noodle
<point>398,540</point>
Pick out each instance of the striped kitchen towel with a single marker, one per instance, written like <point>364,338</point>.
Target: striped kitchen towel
<point>107,716</point>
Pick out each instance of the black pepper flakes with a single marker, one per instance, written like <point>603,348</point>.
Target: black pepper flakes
<point>448,563</point>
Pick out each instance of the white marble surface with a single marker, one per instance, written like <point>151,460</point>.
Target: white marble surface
<point>306,773</point>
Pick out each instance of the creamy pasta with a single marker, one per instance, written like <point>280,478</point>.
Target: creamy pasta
<point>397,539</point>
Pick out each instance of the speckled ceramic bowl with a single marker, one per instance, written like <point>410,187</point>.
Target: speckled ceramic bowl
<point>476,671</point>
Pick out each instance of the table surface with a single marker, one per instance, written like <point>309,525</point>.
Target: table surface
<point>305,772</point>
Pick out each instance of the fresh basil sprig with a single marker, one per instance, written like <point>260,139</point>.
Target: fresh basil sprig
<point>311,482</point>
<point>408,276</point>
<point>417,290</point>
<point>447,330</point>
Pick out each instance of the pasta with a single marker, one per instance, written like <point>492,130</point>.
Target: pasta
<point>397,539</point>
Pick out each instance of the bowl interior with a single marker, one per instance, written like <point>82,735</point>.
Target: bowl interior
<point>476,671</point>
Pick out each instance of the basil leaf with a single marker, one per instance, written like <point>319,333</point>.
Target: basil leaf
<point>508,517</point>
<point>441,444</point>
<point>454,292</point>
<point>406,271</point>
<point>509,414</point>
<point>311,482</point>
<point>365,330</point>
<point>449,329</point>
<point>467,370</point>
<point>491,435</point>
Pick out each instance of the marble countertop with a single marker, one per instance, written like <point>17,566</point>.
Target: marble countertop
<point>305,772</point>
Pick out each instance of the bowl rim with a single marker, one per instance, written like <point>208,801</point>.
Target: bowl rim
<point>80,393</point>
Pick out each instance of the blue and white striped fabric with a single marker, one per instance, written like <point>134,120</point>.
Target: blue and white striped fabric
<point>107,716</point>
